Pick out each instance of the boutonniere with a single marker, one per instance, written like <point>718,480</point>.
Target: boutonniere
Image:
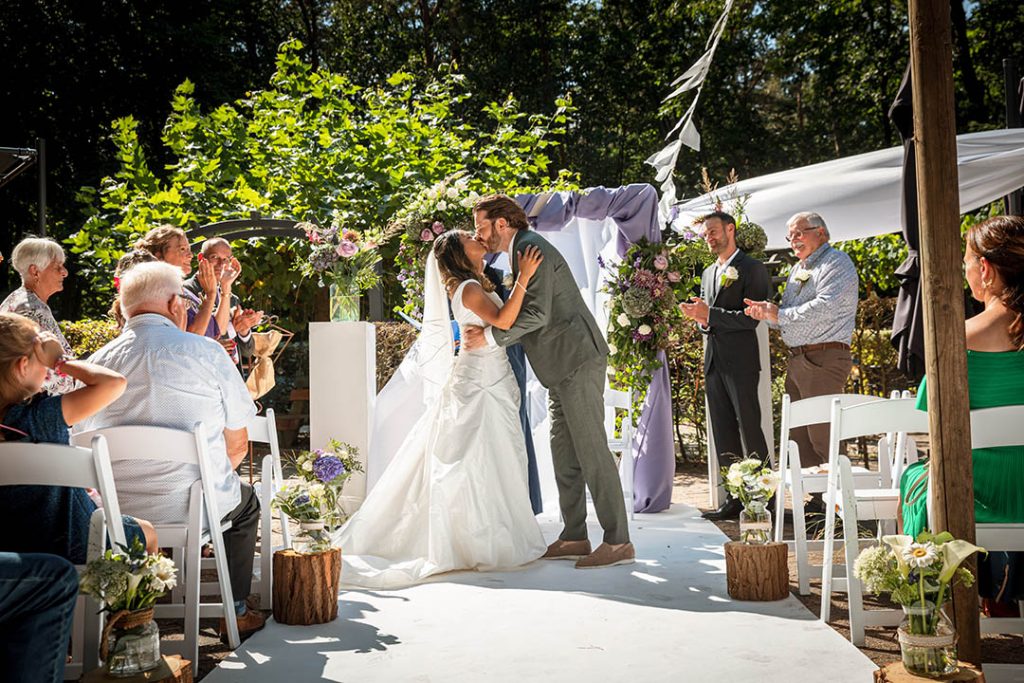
<point>802,275</point>
<point>730,276</point>
<point>508,281</point>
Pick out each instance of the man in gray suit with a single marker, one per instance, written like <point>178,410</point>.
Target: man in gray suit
<point>570,358</point>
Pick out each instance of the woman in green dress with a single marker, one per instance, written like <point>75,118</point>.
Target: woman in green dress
<point>994,267</point>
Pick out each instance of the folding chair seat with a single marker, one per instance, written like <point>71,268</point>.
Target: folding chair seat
<point>186,538</point>
<point>46,464</point>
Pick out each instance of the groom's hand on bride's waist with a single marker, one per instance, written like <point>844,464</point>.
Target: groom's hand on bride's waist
<point>473,338</point>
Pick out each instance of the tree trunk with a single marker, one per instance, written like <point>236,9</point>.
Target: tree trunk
<point>757,572</point>
<point>306,587</point>
<point>895,673</point>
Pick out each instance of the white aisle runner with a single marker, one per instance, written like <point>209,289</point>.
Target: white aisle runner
<point>666,618</point>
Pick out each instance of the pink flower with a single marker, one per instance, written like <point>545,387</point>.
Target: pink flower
<point>313,236</point>
<point>438,227</point>
<point>673,276</point>
<point>426,235</point>
<point>346,248</point>
<point>350,235</point>
<point>660,262</point>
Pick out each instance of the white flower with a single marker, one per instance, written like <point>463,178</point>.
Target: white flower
<point>508,281</point>
<point>164,574</point>
<point>442,205</point>
<point>467,202</point>
<point>308,466</point>
<point>735,477</point>
<point>623,320</point>
<point>730,276</point>
<point>316,490</point>
<point>769,481</point>
<point>802,275</point>
<point>452,192</point>
<point>612,350</point>
<point>644,329</point>
<point>921,554</point>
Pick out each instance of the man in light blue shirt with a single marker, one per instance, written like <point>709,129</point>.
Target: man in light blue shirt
<point>816,317</point>
<point>176,379</point>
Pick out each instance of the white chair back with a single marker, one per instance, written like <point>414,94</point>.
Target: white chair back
<point>263,429</point>
<point>621,400</point>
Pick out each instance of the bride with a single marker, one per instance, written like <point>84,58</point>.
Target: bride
<point>455,496</point>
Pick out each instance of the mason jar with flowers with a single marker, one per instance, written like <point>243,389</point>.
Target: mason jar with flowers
<point>753,484</point>
<point>344,260</point>
<point>918,573</point>
<point>127,585</point>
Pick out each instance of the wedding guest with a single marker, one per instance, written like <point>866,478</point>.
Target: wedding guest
<point>816,317</point>
<point>37,601</point>
<point>124,264</point>
<point>40,263</point>
<point>232,324</point>
<point>993,264</point>
<point>732,365</point>
<point>176,379</point>
<point>170,245</point>
<point>52,519</point>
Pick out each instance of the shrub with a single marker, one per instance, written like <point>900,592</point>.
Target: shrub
<point>87,336</point>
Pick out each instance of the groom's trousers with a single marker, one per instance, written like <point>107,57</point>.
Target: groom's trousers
<point>579,452</point>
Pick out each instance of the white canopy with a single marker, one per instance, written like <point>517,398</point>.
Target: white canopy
<point>859,196</point>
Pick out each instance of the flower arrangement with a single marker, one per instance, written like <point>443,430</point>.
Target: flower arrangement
<point>753,484</point>
<point>130,580</point>
<point>315,501</point>
<point>443,206</point>
<point>341,256</point>
<point>917,573</point>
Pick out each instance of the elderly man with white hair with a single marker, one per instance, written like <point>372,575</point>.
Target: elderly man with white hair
<point>40,263</point>
<point>816,317</point>
<point>176,379</point>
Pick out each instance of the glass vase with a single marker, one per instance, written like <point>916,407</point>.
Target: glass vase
<point>313,537</point>
<point>755,523</point>
<point>132,644</point>
<point>344,303</point>
<point>927,641</point>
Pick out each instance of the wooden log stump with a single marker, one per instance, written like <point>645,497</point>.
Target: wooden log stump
<point>757,572</point>
<point>173,669</point>
<point>896,673</point>
<point>306,586</point>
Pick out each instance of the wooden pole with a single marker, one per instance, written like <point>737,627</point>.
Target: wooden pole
<point>931,63</point>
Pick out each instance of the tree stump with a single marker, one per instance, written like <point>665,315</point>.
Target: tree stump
<point>171,670</point>
<point>306,586</point>
<point>895,673</point>
<point>757,572</point>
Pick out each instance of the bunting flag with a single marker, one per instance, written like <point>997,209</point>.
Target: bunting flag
<point>685,131</point>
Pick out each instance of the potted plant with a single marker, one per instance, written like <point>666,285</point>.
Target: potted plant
<point>128,584</point>
<point>917,573</point>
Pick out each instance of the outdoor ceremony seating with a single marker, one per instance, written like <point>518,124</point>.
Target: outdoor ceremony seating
<point>186,538</point>
<point>46,464</point>
<point>877,500</point>
<point>263,429</point>
<point>622,444</point>
<point>801,480</point>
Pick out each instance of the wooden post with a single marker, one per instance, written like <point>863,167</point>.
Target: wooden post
<point>306,586</point>
<point>757,572</point>
<point>931,63</point>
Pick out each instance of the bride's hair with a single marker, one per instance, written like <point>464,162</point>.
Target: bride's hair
<point>453,263</point>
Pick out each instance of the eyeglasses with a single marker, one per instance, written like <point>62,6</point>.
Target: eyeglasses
<point>797,234</point>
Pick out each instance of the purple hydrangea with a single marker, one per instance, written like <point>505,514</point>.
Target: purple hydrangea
<point>302,499</point>
<point>327,468</point>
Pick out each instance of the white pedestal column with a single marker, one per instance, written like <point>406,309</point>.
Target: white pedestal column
<point>342,391</point>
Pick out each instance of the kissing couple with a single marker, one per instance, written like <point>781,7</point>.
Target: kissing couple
<point>455,496</point>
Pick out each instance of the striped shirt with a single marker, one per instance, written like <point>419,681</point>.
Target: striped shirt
<point>820,301</point>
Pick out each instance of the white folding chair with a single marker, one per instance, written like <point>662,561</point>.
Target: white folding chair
<point>263,429</point>
<point>801,480</point>
<point>991,428</point>
<point>878,500</point>
<point>623,444</point>
<point>45,464</point>
<point>204,524</point>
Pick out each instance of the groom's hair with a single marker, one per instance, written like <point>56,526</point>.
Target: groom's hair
<point>497,206</point>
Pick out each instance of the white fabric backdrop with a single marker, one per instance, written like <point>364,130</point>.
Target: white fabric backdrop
<point>859,196</point>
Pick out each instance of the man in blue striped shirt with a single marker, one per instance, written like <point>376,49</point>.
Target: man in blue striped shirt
<point>816,317</point>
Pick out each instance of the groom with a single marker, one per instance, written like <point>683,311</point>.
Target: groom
<point>569,356</point>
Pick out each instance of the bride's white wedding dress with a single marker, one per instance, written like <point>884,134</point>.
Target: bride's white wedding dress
<point>455,495</point>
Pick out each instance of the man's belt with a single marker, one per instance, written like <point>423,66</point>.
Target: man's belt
<point>797,350</point>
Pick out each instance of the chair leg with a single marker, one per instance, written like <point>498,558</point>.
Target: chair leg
<point>92,627</point>
<point>78,630</point>
<point>266,558</point>
<point>851,547</point>
<point>803,567</point>
<point>227,599</point>
<point>826,560</point>
<point>193,556</point>
<point>627,471</point>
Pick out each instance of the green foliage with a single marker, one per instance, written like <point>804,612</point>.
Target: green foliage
<point>88,336</point>
<point>876,259</point>
<point>311,144</point>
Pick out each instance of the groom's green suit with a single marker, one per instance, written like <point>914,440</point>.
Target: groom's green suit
<point>570,357</point>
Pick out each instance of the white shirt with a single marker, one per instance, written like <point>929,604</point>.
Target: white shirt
<point>719,269</point>
<point>488,331</point>
<point>175,379</point>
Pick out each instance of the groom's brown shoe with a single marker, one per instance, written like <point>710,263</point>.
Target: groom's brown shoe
<point>567,550</point>
<point>607,556</point>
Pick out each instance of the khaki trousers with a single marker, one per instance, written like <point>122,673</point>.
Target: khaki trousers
<point>816,373</point>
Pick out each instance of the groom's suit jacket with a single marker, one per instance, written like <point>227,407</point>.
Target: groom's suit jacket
<point>732,337</point>
<point>554,326</point>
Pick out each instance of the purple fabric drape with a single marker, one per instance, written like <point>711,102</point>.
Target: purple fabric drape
<point>634,208</point>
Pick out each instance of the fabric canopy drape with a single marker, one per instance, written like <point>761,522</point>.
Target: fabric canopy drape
<point>634,210</point>
<point>860,196</point>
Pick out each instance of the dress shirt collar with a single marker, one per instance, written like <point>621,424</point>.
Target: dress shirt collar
<point>817,255</point>
<point>148,319</point>
<point>723,266</point>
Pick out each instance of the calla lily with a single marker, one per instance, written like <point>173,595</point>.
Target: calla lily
<point>899,543</point>
<point>953,553</point>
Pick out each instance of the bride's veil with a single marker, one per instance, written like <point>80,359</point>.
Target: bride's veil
<point>419,379</point>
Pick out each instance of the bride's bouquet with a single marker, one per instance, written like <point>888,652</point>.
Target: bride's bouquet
<point>315,500</point>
